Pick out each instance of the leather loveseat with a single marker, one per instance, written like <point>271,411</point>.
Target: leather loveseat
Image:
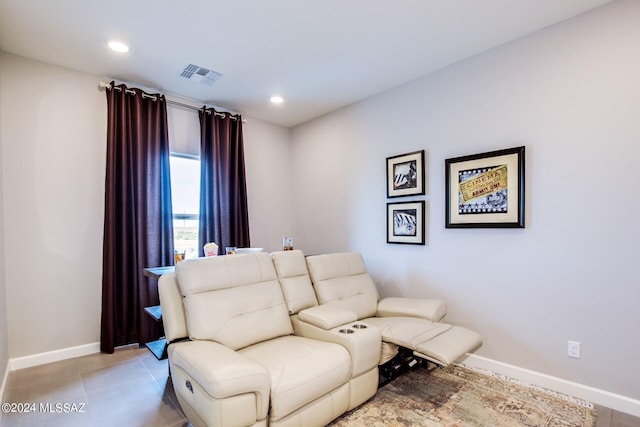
<point>260,340</point>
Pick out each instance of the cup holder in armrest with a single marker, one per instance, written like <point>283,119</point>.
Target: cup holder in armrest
<point>346,331</point>
<point>360,326</point>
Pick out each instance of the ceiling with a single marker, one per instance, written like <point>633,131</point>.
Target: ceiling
<point>319,55</point>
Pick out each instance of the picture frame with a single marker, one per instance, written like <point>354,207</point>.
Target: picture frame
<point>485,190</point>
<point>405,174</point>
<point>406,222</point>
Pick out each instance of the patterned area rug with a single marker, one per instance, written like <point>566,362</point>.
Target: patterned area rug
<point>457,397</point>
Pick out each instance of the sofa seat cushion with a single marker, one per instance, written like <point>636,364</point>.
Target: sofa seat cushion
<point>301,370</point>
<point>407,332</point>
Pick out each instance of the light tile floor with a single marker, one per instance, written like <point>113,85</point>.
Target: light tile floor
<point>128,388</point>
<point>610,418</point>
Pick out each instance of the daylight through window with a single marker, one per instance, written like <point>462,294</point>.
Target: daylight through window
<point>185,194</point>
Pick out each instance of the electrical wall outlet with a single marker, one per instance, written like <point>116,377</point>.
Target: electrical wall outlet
<point>573,349</point>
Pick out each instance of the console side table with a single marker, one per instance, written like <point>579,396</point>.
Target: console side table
<point>158,347</point>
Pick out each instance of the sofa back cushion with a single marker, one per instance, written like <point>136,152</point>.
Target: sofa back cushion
<point>293,275</point>
<point>342,280</point>
<point>235,300</point>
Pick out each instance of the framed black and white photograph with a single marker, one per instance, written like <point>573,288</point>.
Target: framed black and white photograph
<point>485,190</point>
<point>405,222</point>
<point>405,174</point>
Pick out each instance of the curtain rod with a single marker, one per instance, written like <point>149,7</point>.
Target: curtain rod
<point>107,86</point>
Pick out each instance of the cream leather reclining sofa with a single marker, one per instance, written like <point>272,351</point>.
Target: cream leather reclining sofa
<point>234,358</point>
<point>252,342</point>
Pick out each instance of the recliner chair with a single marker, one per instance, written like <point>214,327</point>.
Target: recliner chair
<point>341,280</point>
<point>329,324</point>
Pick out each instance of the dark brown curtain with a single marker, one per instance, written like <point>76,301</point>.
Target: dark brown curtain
<point>138,228</point>
<point>223,194</point>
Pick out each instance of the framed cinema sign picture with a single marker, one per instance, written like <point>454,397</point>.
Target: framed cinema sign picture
<point>485,190</point>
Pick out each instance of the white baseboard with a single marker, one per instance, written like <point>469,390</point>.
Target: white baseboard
<point>591,394</point>
<point>53,356</point>
<point>44,358</point>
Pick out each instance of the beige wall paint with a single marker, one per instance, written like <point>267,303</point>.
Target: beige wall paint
<point>571,95</point>
<point>54,145</point>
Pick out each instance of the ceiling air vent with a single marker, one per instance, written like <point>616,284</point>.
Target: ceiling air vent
<point>200,74</point>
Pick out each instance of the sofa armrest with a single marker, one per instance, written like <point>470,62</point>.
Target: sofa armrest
<point>424,308</point>
<point>362,343</point>
<point>173,319</point>
<point>327,317</point>
<point>222,372</point>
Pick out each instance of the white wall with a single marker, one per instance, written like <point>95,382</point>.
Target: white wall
<point>4,330</point>
<point>571,95</point>
<point>53,142</point>
<point>267,164</point>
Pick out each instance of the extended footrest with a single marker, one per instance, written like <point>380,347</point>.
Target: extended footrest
<point>440,343</point>
<point>449,345</point>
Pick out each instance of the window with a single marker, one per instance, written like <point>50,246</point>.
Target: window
<point>185,194</point>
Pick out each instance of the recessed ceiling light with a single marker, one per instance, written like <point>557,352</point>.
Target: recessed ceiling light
<point>277,99</point>
<point>118,46</point>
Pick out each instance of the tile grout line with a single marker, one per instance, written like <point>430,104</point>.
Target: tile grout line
<point>172,398</point>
